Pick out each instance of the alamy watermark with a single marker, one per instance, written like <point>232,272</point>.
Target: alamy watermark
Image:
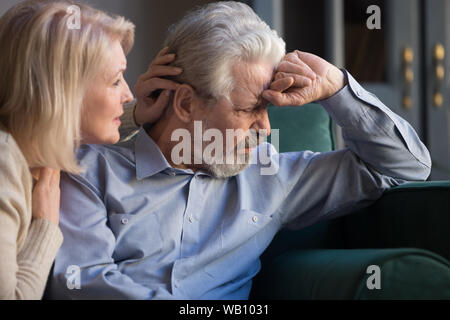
<point>374,20</point>
<point>211,147</point>
<point>74,20</point>
<point>73,276</point>
<point>374,280</point>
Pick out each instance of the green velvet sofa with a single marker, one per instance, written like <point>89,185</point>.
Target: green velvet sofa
<point>405,234</point>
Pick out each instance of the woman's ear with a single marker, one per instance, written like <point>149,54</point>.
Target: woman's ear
<point>183,102</point>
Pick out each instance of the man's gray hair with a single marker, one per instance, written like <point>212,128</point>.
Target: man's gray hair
<point>210,39</point>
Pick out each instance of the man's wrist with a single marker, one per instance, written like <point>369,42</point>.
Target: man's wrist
<point>340,81</point>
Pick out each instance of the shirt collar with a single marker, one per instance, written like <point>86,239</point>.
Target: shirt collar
<point>149,158</point>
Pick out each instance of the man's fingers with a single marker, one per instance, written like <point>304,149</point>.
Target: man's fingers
<point>282,84</point>
<point>294,57</point>
<point>309,58</point>
<point>282,99</point>
<point>303,70</point>
<point>275,97</point>
<point>298,81</point>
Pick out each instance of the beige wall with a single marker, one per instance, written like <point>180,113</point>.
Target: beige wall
<point>151,17</point>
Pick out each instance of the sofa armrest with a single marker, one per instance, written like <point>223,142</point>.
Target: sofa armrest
<point>411,215</point>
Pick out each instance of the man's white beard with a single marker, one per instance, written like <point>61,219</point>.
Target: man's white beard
<point>223,170</point>
<point>239,160</point>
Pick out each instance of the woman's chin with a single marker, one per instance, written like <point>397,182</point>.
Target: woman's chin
<point>111,138</point>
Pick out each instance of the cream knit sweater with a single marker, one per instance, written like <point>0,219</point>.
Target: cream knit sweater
<point>28,246</point>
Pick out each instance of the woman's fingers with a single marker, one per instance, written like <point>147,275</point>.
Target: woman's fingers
<point>162,59</point>
<point>46,193</point>
<point>159,71</point>
<point>165,59</point>
<point>152,112</point>
<point>152,90</point>
<point>146,88</point>
<point>163,51</point>
<point>161,104</point>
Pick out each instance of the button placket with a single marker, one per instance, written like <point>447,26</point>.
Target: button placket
<point>190,227</point>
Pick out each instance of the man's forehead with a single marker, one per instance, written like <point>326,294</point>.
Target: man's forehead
<point>252,78</point>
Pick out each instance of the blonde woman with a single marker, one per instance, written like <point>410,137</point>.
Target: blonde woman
<point>60,87</point>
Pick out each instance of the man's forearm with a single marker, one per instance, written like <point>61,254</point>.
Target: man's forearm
<point>377,135</point>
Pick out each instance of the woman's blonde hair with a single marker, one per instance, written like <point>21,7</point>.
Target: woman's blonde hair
<point>47,62</point>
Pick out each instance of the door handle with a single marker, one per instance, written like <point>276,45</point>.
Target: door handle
<point>408,76</point>
<point>439,74</point>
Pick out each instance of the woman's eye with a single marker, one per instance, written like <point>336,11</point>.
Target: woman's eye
<point>117,83</point>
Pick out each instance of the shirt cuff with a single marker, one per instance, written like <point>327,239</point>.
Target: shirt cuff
<point>344,107</point>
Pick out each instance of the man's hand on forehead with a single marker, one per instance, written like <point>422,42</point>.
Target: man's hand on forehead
<point>301,78</point>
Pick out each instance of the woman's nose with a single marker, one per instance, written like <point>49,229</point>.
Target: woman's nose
<point>128,95</point>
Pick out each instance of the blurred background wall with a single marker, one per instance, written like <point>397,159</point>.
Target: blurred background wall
<point>151,17</point>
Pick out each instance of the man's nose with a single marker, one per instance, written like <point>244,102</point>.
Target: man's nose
<point>263,122</point>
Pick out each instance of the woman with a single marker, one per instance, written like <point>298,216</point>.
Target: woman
<point>60,87</point>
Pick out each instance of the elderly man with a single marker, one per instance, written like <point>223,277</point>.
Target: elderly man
<point>147,222</point>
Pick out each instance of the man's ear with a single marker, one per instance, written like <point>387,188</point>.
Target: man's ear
<point>183,102</point>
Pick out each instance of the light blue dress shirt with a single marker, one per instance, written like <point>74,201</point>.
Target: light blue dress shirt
<point>136,228</point>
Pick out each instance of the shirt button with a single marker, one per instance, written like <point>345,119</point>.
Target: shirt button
<point>173,173</point>
<point>124,220</point>
<point>255,219</point>
<point>191,219</point>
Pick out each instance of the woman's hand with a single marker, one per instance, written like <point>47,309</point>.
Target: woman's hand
<point>46,195</point>
<point>151,102</point>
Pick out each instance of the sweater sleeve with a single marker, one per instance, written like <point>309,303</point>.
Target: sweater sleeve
<point>129,126</point>
<point>23,274</point>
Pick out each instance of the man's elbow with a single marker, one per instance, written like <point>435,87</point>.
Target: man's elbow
<point>424,165</point>
<point>423,172</point>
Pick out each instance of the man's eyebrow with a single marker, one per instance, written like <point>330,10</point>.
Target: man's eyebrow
<point>261,101</point>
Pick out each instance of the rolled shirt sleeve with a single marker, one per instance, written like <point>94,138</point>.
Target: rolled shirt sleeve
<point>382,151</point>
